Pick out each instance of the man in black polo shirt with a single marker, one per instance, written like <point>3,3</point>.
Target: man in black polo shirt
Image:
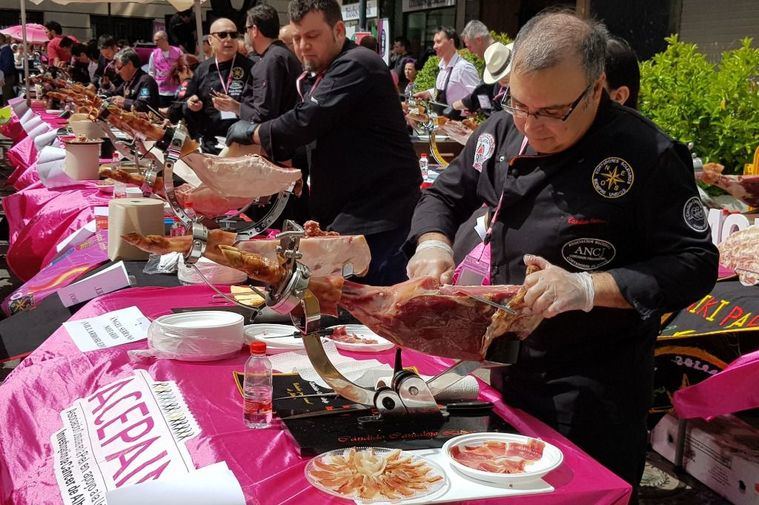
<point>364,175</point>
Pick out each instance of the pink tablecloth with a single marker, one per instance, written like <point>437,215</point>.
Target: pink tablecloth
<point>731,390</point>
<point>265,462</point>
<point>39,218</point>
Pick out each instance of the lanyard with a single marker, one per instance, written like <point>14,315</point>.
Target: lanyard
<point>489,232</point>
<point>302,76</point>
<point>224,86</point>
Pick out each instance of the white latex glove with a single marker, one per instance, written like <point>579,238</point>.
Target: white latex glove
<point>552,290</point>
<point>431,262</point>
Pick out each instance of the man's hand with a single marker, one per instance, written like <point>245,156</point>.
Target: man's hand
<point>423,95</point>
<point>552,290</point>
<point>225,103</point>
<point>433,258</point>
<point>118,101</point>
<point>194,103</point>
<point>241,133</point>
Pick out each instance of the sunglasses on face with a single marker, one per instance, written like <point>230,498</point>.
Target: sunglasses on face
<point>224,35</point>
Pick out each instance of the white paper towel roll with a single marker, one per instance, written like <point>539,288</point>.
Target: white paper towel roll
<point>127,215</point>
<point>82,159</point>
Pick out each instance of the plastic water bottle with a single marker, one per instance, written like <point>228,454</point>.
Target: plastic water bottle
<point>424,165</point>
<point>257,388</point>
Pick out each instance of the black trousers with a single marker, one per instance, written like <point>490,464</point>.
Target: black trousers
<point>388,265</point>
<point>570,408</point>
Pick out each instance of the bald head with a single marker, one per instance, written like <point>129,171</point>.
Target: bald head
<point>223,44</point>
<point>161,40</point>
<point>551,38</point>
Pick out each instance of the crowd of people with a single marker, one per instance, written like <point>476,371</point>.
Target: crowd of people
<point>569,180</point>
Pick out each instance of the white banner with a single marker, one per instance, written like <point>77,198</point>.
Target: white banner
<point>129,431</point>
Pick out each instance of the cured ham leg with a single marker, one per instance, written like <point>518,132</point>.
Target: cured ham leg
<point>441,320</point>
<point>205,201</point>
<point>249,177</point>
<point>323,255</point>
<point>158,244</point>
<point>743,187</point>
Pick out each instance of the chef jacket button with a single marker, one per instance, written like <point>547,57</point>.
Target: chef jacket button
<point>495,269</point>
<point>501,158</point>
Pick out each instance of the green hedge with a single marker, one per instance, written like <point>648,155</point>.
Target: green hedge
<point>714,106</point>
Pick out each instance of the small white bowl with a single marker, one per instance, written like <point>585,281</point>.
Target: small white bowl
<point>551,459</point>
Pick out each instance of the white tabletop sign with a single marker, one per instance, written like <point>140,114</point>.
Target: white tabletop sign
<point>108,330</point>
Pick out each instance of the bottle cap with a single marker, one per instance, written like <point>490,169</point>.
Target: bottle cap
<point>258,347</point>
<point>424,155</point>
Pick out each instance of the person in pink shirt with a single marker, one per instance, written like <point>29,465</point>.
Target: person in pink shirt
<point>162,60</point>
<point>56,55</point>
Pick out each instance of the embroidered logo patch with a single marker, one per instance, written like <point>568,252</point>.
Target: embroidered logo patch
<point>237,73</point>
<point>694,215</point>
<point>612,178</point>
<point>588,253</point>
<point>483,151</point>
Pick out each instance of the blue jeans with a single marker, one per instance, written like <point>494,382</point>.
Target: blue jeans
<point>388,265</point>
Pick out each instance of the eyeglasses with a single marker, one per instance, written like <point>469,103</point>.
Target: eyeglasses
<point>249,27</point>
<point>224,35</point>
<point>118,66</point>
<point>558,113</point>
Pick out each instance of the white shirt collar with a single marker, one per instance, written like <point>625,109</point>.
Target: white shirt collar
<point>454,59</point>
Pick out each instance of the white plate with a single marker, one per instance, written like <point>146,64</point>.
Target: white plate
<point>552,458</point>
<point>265,332</point>
<point>361,331</point>
<point>435,489</point>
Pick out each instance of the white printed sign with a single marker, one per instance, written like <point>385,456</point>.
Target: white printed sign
<point>127,432</point>
<point>109,329</point>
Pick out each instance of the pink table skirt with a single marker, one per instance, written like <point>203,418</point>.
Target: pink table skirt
<point>264,461</point>
<point>39,218</point>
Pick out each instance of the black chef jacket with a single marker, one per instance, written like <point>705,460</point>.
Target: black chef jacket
<point>622,200</point>
<point>207,78</point>
<point>139,92</point>
<point>485,97</point>
<point>273,79</point>
<point>364,173</point>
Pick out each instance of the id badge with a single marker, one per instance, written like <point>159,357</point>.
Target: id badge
<point>228,115</point>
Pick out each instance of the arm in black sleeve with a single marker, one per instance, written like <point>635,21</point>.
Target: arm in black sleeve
<point>335,96</point>
<point>267,82</point>
<point>192,90</point>
<point>449,201</point>
<point>681,261</point>
<point>147,96</point>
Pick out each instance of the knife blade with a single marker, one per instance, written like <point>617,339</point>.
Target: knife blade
<point>353,407</point>
<point>505,308</point>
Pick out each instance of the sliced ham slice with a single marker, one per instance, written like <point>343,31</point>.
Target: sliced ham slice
<point>742,187</point>
<point>740,252</point>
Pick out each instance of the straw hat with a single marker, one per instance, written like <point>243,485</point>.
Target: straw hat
<point>497,62</point>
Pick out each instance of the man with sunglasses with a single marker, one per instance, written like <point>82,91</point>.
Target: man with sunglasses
<point>606,206</point>
<point>227,74</point>
<point>364,173</point>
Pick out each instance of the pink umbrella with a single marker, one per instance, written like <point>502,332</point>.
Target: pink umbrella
<point>35,34</point>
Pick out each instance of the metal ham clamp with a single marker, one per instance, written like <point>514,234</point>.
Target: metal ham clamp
<point>407,395</point>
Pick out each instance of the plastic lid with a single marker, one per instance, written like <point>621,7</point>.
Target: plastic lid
<point>258,347</point>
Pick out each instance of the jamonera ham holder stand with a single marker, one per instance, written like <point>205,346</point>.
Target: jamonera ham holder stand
<point>407,395</point>
<point>173,147</point>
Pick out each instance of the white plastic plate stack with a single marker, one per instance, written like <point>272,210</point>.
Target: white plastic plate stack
<point>197,336</point>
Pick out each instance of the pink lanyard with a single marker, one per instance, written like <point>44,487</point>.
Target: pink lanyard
<point>489,232</point>
<point>224,86</point>
<point>319,77</point>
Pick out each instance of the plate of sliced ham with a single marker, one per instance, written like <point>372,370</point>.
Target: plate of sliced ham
<point>357,338</point>
<point>502,458</point>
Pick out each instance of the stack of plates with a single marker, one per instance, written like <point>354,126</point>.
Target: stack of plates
<point>278,337</point>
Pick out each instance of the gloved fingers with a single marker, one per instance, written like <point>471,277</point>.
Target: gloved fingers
<point>535,289</point>
<point>447,276</point>
<point>545,300</point>
<point>538,261</point>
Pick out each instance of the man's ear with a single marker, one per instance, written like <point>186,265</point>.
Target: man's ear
<point>340,29</point>
<point>620,95</point>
